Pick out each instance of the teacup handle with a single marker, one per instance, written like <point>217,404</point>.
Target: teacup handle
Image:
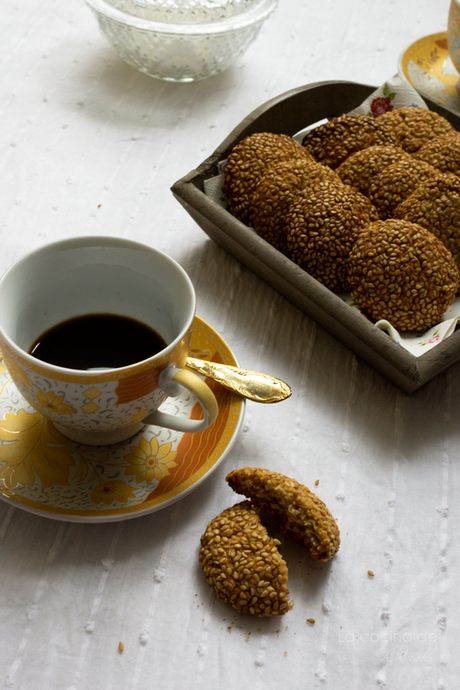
<point>172,381</point>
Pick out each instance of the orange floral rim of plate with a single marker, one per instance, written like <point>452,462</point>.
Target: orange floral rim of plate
<point>43,472</point>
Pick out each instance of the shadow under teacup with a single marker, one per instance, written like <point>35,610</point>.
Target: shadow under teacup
<point>97,277</point>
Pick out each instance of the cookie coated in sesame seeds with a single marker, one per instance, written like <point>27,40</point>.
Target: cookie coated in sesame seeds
<point>242,564</point>
<point>413,127</point>
<point>247,162</point>
<point>401,272</point>
<point>333,142</point>
<point>396,182</point>
<point>435,205</point>
<point>322,226</point>
<point>299,511</point>
<point>277,189</point>
<point>362,167</point>
<point>443,153</point>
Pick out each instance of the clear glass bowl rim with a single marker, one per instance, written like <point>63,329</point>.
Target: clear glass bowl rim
<point>240,21</point>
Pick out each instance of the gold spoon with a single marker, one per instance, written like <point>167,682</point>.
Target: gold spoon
<point>249,384</point>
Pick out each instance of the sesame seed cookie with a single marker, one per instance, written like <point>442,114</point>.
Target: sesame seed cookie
<point>276,191</point>
<point>443,153</point>
<point>401,272</point>
<point>322,226</point>
<point>242,564</point>
<point>247,162</point>
<point>435,205</point>
<point>300,512</point>
<point>396,182</point>
<point>333,142</point>
<point>413,127</point>
<point>362,167</point>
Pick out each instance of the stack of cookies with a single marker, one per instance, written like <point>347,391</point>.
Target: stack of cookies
<point>367,206</point>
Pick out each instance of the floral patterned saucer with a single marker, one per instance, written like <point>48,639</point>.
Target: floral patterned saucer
<point>428,68</point>
<point>42,472</point>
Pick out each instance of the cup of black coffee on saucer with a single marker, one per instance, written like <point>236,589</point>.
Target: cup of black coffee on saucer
<point>95,333</point>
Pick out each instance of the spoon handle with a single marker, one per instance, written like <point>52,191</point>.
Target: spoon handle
<point>249,384</point>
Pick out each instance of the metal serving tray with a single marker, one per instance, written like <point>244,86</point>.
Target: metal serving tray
<point>289,113</point>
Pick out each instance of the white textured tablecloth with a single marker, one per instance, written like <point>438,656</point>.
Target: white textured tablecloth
<point>90,146</point>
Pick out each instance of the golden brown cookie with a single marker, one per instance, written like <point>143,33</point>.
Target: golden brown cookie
<point>401,272</point>
<point>442,153</point>
<point>361,168</point>
<point>413,126</point>
<point>247,162</point>
<point>300,512</point>
<point>333,142</point>
<point>396,182</point>
<point>277,189</point>
<point>435,205</point>
<point>322,226</point>
<point>242,564</point>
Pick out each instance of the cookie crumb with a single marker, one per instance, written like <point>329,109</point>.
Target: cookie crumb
<point>121,647</point>
<point>370,573</point>
<point>317,482</point>
<point>311,621</point>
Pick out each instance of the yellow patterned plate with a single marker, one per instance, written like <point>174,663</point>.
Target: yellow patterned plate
<point>428,68</point>
<point>41,471</point>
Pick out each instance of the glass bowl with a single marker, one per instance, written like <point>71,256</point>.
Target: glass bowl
<point>181,40</point>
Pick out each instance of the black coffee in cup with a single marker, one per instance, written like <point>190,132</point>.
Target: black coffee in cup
<point>95,341</point>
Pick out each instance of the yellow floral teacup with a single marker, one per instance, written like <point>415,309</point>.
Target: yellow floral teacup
<point>102,275</point>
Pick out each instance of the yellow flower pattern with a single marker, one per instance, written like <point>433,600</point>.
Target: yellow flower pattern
<point>34,447</point>
<point>113,491</point>
<point>149,460</point>
<point>139,416</point>
<point>54,403</point>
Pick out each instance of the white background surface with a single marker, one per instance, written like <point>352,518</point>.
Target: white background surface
<point>89,145</point>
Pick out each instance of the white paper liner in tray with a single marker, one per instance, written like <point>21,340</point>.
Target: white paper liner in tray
<point>401,94</point>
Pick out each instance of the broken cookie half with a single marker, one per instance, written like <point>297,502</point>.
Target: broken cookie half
<point>242,564</point>
<point>300,512</point>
